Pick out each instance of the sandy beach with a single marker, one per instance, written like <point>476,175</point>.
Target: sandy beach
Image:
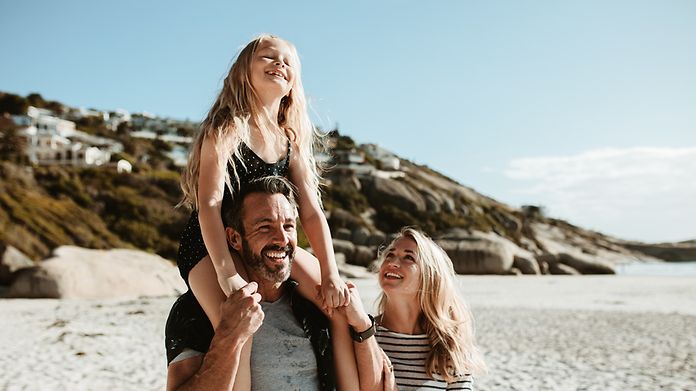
<point>537,333</point>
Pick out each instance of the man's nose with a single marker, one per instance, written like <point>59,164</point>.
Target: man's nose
<point>280,236</point>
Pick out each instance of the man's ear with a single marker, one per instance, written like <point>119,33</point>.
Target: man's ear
<point>234,239</point>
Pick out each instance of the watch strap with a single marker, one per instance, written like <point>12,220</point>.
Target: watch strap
<point>360,337</point>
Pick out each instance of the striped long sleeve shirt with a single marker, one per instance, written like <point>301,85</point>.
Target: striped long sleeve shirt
<point>408,353</point>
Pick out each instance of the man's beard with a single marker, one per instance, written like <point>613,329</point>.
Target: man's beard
<point>256,262</point>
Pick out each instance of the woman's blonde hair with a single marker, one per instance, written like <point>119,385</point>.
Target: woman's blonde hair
<point>237,109</point>
<point>444,315</point>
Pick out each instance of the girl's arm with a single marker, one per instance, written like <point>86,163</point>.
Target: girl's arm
<point>211,187</point>
<point>333,290</point>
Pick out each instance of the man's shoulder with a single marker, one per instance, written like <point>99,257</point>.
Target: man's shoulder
<point>301,303</point>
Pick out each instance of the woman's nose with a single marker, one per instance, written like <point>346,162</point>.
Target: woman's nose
<point>393,263</point>
<point>279,64</point>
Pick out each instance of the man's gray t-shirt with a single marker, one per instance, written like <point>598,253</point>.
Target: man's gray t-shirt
<point>281,356</point>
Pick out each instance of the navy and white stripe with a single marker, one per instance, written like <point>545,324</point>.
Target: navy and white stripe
<point>408,353</point>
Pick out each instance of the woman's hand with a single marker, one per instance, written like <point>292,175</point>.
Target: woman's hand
<point>388,373</point>
<point>354,312</point>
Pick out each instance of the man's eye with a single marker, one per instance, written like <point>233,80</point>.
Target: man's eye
<point>264,228</point>
<point>290,227</point>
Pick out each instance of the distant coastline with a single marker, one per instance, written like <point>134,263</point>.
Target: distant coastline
<point>664,269</point>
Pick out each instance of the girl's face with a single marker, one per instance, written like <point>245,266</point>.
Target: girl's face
<point>400,272</point>
<point>273,68</point>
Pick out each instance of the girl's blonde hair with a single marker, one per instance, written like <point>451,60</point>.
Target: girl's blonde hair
<point>237,109</point>
<point>444,315</point>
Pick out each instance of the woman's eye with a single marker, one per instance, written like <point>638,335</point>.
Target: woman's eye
<point>410,258</point>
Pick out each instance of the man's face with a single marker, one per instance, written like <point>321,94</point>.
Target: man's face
<point>270,236</point>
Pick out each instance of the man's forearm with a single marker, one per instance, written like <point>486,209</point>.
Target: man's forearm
<point>219,368</point>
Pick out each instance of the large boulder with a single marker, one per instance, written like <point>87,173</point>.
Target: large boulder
<point>395,193</point>
<point>377,239</point>
<point>526,265</point>
<point>585,266</point>
<point>559,268</point>
<point>342,234</point>
<point>360,236</point>
<point>78,273</point>
<point>12,260</point>
<point>344,247</point>
<point>363,256</point>
<point>478,252</point>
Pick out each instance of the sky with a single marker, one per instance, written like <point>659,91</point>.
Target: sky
<point>587,108</point>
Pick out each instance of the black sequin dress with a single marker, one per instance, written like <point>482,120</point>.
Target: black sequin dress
<point>188,325</point>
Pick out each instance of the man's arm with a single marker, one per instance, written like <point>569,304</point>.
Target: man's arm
<point>241,316</point>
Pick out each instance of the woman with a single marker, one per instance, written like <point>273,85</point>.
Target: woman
<point>423,326</point>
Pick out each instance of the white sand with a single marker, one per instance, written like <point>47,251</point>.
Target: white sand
<point>538,333</point>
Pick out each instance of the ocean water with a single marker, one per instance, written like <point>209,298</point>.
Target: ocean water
<point>676,269</point>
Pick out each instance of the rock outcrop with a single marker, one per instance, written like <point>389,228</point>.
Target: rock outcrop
<point>78,273</point>
<point>674,252</point>
<point>11,261</point>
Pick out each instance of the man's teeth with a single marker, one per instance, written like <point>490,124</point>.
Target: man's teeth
<point>275,254</point>
<point>392,275</point>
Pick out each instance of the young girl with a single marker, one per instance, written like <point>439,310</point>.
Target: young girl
<point>258,126</point>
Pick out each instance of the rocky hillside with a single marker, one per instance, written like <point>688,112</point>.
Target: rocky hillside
<point>370,194</point>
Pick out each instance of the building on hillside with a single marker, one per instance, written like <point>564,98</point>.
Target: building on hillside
<point>116,118</point>
<point>351,161</point>
<point>388,161</point>
<point>53,140</point>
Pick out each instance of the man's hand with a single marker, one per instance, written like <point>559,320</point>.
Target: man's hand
<point>334,292</point>
<point>241,314</point>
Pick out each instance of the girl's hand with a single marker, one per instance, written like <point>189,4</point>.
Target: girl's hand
<point>334,292</point>
<point>356,316</point>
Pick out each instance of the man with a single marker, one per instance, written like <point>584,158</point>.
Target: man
<point>291,347</point>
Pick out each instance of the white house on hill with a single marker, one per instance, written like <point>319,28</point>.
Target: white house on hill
<point>53,140</point>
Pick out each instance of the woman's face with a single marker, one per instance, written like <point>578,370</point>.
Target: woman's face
<point>400,272</point>
<point>272,68</point>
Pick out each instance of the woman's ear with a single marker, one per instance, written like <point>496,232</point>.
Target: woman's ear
<point>234,239</point>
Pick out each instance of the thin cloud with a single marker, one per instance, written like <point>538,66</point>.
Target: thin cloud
<point>641,193</point>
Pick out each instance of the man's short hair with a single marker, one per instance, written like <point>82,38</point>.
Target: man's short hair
<point>268,185</point>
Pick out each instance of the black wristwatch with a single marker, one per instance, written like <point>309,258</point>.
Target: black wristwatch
<point>360,337</point>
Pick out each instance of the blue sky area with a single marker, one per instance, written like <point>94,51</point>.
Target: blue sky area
<point>585,107</point>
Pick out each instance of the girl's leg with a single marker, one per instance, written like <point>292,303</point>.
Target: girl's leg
<point>305,270</point>
<point>206,289</point>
